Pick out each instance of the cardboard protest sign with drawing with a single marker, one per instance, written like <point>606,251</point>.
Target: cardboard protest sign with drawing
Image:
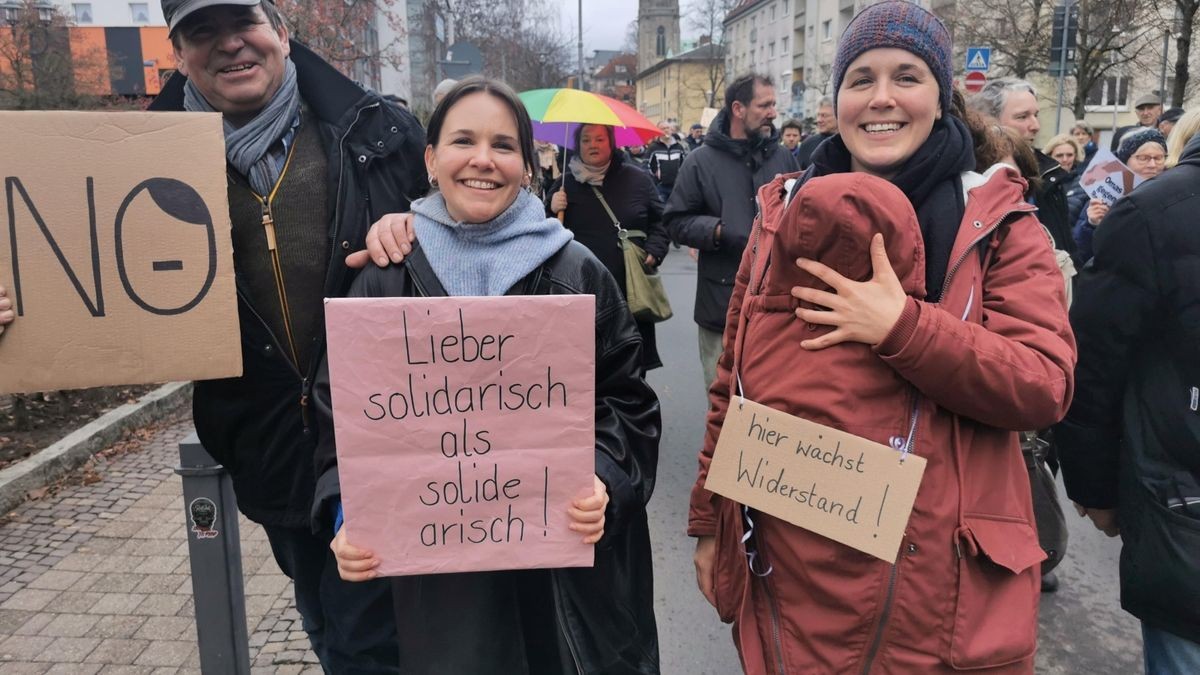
<point>1106,178</point>
<point>116,250</point>
<point>464,428</point>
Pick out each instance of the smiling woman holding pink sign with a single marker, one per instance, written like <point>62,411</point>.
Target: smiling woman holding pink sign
<point>894,295</point>
<point>483,233</point>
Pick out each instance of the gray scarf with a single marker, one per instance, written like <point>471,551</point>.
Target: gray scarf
<point>486,258</point>
<point>587,174</point>
<point>255,149</point>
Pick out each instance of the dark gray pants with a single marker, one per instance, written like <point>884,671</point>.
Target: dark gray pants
<point>351,626</point>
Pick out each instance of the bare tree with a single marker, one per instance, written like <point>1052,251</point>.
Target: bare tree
<point>1114,36</point>
<point>708,17</point>
<point>520,40</point>
<point>42,69</point>
<point>1018,31</point>
<point>1185,14</point>
<point>345,32</point>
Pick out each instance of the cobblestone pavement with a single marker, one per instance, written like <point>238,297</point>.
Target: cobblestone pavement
<point>95,578</point>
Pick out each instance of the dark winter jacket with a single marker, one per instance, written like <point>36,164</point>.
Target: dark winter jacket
<point>1131,439</point>
<point>1077,199</point>
<point>663,161</point>
<point>1084,233</point>
<point>259,425</point>
<point>631,195</point>
<point>1051,200</point>
<point>605,613</point>
<point>716,185</point>
<point>804,151</point>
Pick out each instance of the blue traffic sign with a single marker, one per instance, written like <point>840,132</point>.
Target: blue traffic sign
<point>979,58</point>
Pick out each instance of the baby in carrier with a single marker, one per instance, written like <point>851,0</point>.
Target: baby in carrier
<point>832,220</point>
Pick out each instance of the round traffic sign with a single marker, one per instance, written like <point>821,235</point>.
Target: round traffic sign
<point>974,81</point>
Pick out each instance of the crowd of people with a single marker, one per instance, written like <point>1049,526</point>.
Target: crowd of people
<point>917,252</point>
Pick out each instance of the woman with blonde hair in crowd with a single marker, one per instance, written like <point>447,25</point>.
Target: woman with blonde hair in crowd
<point>1181,133</point>
<point>1069,154</point>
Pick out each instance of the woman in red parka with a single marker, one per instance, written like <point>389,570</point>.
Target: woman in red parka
<point>918,304</point>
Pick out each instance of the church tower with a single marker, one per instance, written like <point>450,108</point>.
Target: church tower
<point>658,31</point>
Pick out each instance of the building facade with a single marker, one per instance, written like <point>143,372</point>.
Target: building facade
<point>759,38</point>
<point>117,47</point>
<point>678,89</point>
<point>658,31</point>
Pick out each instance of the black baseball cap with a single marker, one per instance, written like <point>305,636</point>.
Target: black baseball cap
<point>175,11</point>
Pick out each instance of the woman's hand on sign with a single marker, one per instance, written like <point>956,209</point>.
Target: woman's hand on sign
<point>705,560</point>
<point>353,563</point>
<point>1096,211</point>
<point>388,241</point>
<point>7,315</point>
<point>587,514</point>
<point>558,202</point>
<point>859,311</point>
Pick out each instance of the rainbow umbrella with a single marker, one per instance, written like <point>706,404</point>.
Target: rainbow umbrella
<point>557,113</point>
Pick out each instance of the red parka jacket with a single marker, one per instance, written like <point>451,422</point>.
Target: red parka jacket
<point>953,381</point>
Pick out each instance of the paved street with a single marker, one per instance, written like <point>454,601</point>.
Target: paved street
<point>95,578</point>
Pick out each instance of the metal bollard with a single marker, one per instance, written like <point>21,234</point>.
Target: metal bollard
<point>216,556</point>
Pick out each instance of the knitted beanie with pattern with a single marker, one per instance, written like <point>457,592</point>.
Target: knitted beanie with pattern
<point>1132,140</point>
<point>897,24</point>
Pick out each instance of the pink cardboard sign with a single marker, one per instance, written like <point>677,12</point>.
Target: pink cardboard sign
<point>465,427</point>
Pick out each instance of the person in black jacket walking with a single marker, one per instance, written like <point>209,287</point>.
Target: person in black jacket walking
<point>598,177</point>
<point>712,206</point>
<point>1130,444</point>
<point>664,155</point>
<point>482,233</point>
<point>313,159</point>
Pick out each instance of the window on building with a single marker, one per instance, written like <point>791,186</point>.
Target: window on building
<point>783,47</point>
<point>827,29</point>
<point>785,5</point>
<point>771,49</point>
<point>83,12</point>
<point>139,12</point>
<point>661,42</point>
<point>846,15</point>
<point>1110,91</point>
<point>772,12</point>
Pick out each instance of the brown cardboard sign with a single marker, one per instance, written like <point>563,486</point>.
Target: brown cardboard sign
<point>854,491</point>
<point>115,249</point>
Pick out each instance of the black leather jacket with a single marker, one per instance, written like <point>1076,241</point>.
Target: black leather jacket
<point>605,613</point>
<point>259,425</point>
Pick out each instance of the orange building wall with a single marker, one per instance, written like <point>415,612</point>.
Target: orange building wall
<point>157,55</point>
<point>89,56</point>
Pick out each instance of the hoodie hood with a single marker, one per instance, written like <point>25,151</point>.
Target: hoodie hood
<point>832,220</point>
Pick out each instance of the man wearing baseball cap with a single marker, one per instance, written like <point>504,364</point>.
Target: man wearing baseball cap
<point>312,161</point>
<point>1148,108</point>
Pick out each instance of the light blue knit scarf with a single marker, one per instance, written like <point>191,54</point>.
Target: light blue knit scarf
<point>486,258</point>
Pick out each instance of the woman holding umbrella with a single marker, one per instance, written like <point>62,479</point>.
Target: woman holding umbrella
<point>598,195</point>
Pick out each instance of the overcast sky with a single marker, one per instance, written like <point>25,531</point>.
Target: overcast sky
<point>604,21</point>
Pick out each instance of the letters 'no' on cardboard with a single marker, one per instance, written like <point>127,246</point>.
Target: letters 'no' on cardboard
<point>115,250</point>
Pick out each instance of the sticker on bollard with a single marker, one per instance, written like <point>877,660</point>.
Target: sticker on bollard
<point>204,517</point>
